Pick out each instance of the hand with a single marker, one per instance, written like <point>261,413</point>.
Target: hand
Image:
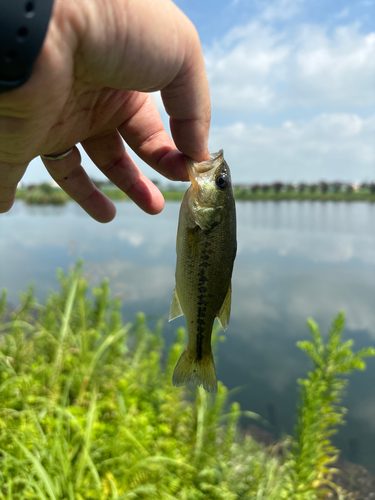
<point>90,85</point>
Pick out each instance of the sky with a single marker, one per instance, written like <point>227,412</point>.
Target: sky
<point>292,87</point>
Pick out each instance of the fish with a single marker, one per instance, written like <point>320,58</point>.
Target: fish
<point>206,248</point>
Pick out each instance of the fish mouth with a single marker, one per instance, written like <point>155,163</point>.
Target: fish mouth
<point>198,168</point>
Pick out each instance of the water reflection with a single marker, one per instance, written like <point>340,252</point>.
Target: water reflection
<point>294,260</point>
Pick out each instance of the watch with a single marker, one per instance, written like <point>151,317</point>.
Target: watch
<point>23,27</point>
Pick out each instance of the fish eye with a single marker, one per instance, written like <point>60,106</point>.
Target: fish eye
<point>222,181</point>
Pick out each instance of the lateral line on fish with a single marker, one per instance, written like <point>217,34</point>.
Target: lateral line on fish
<point>202,299</point>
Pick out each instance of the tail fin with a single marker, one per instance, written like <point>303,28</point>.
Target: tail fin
<point>202,371</point>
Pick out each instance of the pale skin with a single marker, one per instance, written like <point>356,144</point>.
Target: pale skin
<point>90,86</point>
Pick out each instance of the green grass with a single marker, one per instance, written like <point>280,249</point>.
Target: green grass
<point>87,411</point>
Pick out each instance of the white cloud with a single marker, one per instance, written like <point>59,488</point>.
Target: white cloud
<point>336,69</point>
<point>239,67</point>
<point>329,146</point>
<point>281,9</point>
<point>259,67</point>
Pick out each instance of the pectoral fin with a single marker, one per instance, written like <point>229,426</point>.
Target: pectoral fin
<point>224,312</point>
<point>175,310</point>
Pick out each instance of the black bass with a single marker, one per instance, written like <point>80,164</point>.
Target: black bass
<point>206,249</point>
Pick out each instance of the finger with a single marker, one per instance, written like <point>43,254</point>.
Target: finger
<point>10,176</point>
<point>187,101</point>
<point>159,49</point>
<point>144,132</point>
<point>108,153</point>
<point>72,178</point>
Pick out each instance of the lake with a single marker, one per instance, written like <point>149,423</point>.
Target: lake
<point>295,259</point>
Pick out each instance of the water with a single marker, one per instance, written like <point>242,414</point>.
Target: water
<point>295,259</point>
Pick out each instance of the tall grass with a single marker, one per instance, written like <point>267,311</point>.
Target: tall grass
<point>87,411</point>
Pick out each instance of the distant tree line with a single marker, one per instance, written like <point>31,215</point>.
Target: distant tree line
<point>320,187</point>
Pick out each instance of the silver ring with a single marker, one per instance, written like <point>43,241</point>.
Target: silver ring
<point>59,156</point>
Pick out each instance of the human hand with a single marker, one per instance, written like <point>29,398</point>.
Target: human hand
<point>90,85</point>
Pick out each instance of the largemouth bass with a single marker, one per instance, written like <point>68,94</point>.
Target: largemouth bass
<point>206,249</point>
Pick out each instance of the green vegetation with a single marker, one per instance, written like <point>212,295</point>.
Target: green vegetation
<point>45,194</point>
<point>272,195</point>
<point>335,191</point>
<point>311,455</point>
<point>173,195</point>
<point>42,194</point>
<point>88,411</point>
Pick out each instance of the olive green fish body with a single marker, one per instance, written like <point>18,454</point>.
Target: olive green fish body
<point>206,249</point>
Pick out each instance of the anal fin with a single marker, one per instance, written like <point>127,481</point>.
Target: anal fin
<point>224,313</point>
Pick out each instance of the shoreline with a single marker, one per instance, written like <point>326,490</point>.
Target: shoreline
<point>59,197</point>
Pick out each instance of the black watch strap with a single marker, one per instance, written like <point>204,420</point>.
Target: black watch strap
<point>23,26</point>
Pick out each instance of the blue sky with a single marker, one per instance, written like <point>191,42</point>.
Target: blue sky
<point>292,86</point>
